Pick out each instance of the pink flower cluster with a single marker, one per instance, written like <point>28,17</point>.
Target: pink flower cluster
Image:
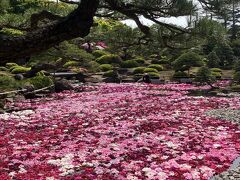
<point>118,131</point>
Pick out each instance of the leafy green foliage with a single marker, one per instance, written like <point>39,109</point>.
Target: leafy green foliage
<point>156,66</point>
<point>204,74</point>
<point>129,64</point>
<point>109,59</point>
<point>147,70</point>
<point>139,60</point>
<point>41,81</point>
<point>213,60</point>
<point>9,65</point>
<point>99,53</point>
<point>187,60</point>
<point>109,73</point>
<point>153,74</point>
<point>237,66</point>
<point>20,69</point>
<point>2,68</point>
<point>180,74</point>
<point>138,70</point>
<point>216,70</point>
<point>106,67</point>
<point>71,64</point>
<point>12,32</point>
<point>8,82</point>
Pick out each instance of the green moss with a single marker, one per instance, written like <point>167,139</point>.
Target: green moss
<point>20,69</point>
<point>138,70</point>
<point>147,70</point>
<point>99,53</point>
<point>12,32</point>
<point>156,66</point>
<point>109,59</point>
<point>8,83</point>
<point>106,67</point>
<point>154,74</point>
<point>70,64</point>
<point>41,81</point>
<point>9,65</point>
<point>129,64</point>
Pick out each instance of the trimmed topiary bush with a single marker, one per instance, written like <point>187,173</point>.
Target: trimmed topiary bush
<point>9,65</point>
<point>106,67</point>
<point>180,74</point>
<point>204,75</point>
<point>99,53</point>
<point>109,59</point>
<point>138,70</point>
<point>217,75</point>
<point>147,70</point>
<point>20,69</point>
<point>109,73</point>
<point>153,74</point>
<point>41,81</point>
<point>216,70</point>
<point>236,76</point>
<point>129,64</point>
<point>71,64</point>
<point>2,68</point>
<point>156,66</point>
<point>139,60</point>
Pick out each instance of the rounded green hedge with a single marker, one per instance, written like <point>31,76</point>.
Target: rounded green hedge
<point>216,70</point>
<point>20,69</point>
<point>147,70</point>
<point>129,64</point>
<point>180,74</point>
<point>139,60</point>
<point>156,66</point>
<point>71,64</point>
<point>109,59</point>
<point>41,81</point>
<point>217,75</point>
<point>154,74</point>
<point>106,67</point>
<point>9,65</point>
<point>99,53</point>
<point>138,70</point>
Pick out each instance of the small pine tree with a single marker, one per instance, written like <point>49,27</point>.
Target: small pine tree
<point>213,60</point>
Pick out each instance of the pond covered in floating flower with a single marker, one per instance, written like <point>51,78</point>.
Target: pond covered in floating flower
<point>118,131</point>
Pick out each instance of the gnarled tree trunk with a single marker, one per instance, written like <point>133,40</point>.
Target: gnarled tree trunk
<point>76,24</point>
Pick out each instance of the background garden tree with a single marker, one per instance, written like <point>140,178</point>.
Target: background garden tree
<point>37,38</point>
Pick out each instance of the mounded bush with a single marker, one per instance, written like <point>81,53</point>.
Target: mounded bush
<point>109,59</point>
<point>9,65</point>
<point>129,64</point>
<point>236,88</point>
<point>236,76</point>
<point>180,74</point>
<point>2,68</point>
<point>99,53</point>
<point>20,69</point>
<point>217,75</point>
<point>156,66</point>
<point>153,75</point>
<point>8,82</point>
<point>106,67</point>
<point>41,81</point>
<point>138,70</point>
<point>204,74</point>
<point>216,70</point>
<point>109,73</point>
<point>147,70</point>
<point>139,60</point>
<point>71,64</point>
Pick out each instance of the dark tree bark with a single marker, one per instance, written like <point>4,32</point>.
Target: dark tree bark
<point>76,24</point>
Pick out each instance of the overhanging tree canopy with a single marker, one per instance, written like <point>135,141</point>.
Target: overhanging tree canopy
<point>79,22</point>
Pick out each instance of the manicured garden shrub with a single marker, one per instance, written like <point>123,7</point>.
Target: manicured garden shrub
<point>216,70</point>
<point>109,59</point>
<point>41,81</point>
<point>153,74</point>
<point>71,64</point>
<point>9,65</point>
<point>236,76</point>
<point>180,74</point>
<point>129,64</point>
<point>109,73</point>
<point>8,82</point>
<point>235,88</point>
<point>20,69</point>
<point>139,60</point>
<point>2,68</point>
<point>213,60</point>
<point>147,70</point>
<point>204,74</point>
<point>217,75</point>
<point>138,70</point>
<point>106,67</point>
<point>156,66</point>
<point>99,53</point>
<point>187,60</point>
